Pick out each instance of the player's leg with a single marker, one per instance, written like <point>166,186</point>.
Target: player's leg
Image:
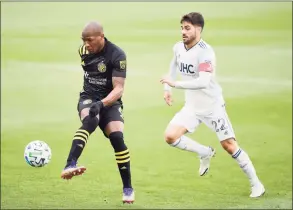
<point>112,124</point>
<point>182,123</point>
<point>80,139</point>
<point>221,124</point>
<point>243,160</point>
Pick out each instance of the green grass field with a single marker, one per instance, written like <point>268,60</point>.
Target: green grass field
<point>41,78</point>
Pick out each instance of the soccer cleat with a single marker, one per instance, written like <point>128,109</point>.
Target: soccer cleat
<point>205,162</point>
<point>72,171</point>
<point>128,195</point>
<point>257,190</point>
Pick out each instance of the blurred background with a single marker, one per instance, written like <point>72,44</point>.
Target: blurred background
<point>41,78</point>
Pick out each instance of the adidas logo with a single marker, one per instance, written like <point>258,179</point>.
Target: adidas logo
<point>124,167</point>
<point>80,145</point>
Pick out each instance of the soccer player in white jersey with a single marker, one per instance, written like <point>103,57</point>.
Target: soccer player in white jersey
<point>195,61</point>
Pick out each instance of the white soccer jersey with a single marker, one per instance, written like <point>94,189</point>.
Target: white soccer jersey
<point>201,98</point>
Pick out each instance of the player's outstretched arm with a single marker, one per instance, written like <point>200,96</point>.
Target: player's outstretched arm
<point>205,74</point>
<point>201,82</point>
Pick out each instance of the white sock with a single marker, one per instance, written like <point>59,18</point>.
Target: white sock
<point>246,165</point>
<point>188,144</point>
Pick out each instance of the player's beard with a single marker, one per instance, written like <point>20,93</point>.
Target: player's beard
<point>188,40</point>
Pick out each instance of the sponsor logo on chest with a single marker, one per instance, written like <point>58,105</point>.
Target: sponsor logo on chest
<point>186,68</point>
<point>186,65</point>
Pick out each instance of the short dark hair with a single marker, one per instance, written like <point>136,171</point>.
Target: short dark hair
<point>195,18</point>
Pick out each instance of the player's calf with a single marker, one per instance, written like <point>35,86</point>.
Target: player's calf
<point>175,137</point>
<point>78,143</point>
<point>243,160</point>
<point>122,157</point>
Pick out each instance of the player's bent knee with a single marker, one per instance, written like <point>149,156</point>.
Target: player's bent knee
<point>171,137</point>
<point>114,126</point>
<point>90,123</point>
<point>173,133</point>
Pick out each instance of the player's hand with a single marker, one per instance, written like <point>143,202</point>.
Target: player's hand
<point>168,81</point>
<point>168,97</point>
<point>96,108</point>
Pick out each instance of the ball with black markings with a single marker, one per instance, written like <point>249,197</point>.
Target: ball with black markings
<point>37,153</point>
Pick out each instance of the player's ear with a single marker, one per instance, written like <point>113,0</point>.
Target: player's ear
<point>199,29</point>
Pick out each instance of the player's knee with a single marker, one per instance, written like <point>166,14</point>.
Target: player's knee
<point>116,136</point>
<point>230,145</point>
<point>117,141</point>
<point>90,123</point>
<point>171,137</point>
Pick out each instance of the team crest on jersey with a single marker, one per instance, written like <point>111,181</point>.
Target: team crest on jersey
<point>88,101</point>
<point>123,65</point>
<point>102,67</point>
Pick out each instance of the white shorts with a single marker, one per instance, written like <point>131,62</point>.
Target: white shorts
<point>218,121</point>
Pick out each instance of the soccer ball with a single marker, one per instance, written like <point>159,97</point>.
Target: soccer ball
<point>37,153</point>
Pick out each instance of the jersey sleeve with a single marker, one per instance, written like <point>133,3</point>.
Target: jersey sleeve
<point>82,50</point>
<point>173,65</point>
<point>206,61</point>
<point>119,64</point>
<point>172,69</point>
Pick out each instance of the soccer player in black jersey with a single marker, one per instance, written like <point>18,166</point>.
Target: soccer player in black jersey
<point>100,103</point>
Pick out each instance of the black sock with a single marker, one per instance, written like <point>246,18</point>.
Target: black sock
<point>80,138</point>
<point>122,157</point>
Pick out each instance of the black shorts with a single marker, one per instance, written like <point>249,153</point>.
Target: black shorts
<point>107,114</point>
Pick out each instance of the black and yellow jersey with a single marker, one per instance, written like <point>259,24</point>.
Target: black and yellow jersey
<point>99,68</point>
